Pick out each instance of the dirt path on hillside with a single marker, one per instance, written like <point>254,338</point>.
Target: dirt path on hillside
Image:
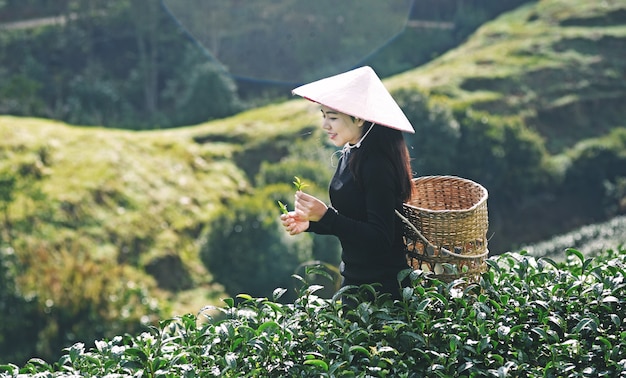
<point>29,24</point>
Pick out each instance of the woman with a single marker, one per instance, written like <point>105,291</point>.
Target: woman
<point>372,180</point>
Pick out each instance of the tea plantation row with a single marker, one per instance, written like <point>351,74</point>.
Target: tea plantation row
<point>527,317</point>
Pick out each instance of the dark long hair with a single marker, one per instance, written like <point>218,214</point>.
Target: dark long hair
<point>390,143</point>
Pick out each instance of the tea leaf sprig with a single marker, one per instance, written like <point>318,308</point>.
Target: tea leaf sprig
<point>283,207</point>
<point>299,185</point>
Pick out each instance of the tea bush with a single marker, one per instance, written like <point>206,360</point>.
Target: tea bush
<point>52,291</point>
<point>526,317</point>
<point>589,239</point>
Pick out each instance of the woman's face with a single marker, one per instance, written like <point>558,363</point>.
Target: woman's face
<point>341,128</point>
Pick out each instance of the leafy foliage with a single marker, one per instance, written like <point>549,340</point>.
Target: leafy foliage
<point>111,63</point>
<point>435,144</point>
<point>588,239</point>
<point>596,163</point>
<point>17,332</point>
<point>526,317</point>
<point>503,155</point>
<point>134,59</point>
<point>199,91</point>
<point>50,300</point>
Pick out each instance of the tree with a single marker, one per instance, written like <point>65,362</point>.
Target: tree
<point>199,90</point>
<point>146,17</point>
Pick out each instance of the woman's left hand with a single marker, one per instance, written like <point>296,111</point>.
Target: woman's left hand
<point>309,207</point>
<point>293,225</point>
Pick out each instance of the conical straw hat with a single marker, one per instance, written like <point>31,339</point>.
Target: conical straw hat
<point>358,93</point>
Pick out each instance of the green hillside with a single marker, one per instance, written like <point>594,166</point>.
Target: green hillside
<point>144,200</point>
<point>559,64</point>
<point>549,62</point>
<point>141,198</point>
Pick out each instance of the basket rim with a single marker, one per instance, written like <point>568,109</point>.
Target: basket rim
<point>444,211</point>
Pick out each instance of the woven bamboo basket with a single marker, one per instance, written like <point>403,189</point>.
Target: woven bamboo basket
<point>445,228</point>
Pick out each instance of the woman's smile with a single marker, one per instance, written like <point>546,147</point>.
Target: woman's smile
<point>341,128</point>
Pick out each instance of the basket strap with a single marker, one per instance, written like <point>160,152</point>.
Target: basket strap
<point>414,229</point>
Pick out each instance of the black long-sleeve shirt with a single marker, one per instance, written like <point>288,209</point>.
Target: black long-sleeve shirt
<point>363,218</point>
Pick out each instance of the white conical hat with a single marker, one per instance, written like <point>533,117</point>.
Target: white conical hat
<point>358,93</point>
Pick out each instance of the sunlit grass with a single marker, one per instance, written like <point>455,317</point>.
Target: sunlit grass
<point>520,42</point>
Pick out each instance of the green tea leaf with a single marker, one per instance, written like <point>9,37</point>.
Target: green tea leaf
<point>245,296</point>
<point>9,368</point>
<point>615,319</point>
<point>299,184</point>
<point>231,360</point>
<point>136,352</point>
<point>230,302</point>
<point>586,324</point>
<point>318,363</point>
<point>268,324</point>
<point>283,207</point>
<point>572,251</point>
<point>278,292</point>
<point>357,348</point>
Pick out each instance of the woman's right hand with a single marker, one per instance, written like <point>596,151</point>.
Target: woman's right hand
<point>309,207</point>
<point>293,223</point>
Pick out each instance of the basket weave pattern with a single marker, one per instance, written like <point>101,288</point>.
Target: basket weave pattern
<point>446,224</point>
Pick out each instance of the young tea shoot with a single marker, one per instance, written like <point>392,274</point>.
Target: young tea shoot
<point>299,184</point>
<point>283,207</point>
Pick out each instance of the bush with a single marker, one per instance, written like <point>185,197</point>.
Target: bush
<point>526,317</point>
<point>93,99</point>
<point>62,296</point>
<point>503,155</point>
<point>18,334</point>
<point>596,164</point>
<point>199,91</point>
<point>588,239</point>
<point>246,248</point>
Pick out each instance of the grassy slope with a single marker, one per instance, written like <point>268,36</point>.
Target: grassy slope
<point>169,182</point>
<point>138,196</point>
<point>558,63</point>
